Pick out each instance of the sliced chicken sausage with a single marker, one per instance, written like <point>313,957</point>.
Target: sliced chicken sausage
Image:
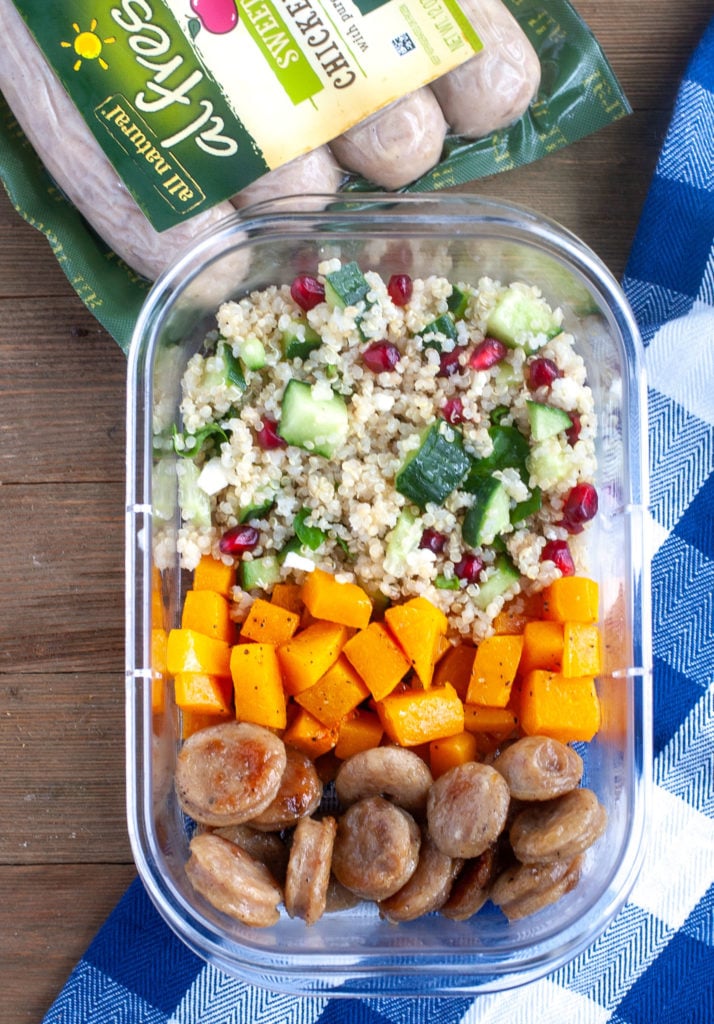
<point>539,768</point>
<point>376,848</point>
<point>527,888</point>
<point>467,808</point>
<point>228,773</point>
<point>558,829</point>
<point>427,889</point>
<point>76,161</point>
<point>298,795</point>
<point>308,876</point>
<point>232,881</point>
<point>494,87</point>
<point>393,772</point>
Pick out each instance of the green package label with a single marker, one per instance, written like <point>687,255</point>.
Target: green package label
<point>280,49</point>
<point>149,102</point>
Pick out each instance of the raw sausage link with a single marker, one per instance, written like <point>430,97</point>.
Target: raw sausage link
<point>232,881</point>
<point>466,809</point>
<point>314,172</point>
<point>560,828</point>
<point>228,773</point>
<point>427,889</point>
<point>266,847</point>
<point>397,144</point>
<point>494,88</point>
<point>76,161</point>
<point>308,874</point>
<point>376,848</point>
<point>565,876</point>
<point>299,794</point>
<point>539,768</point>
<point>471,889</point>
<point>392,772</point>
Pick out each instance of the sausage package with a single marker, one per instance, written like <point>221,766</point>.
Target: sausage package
<point>239,100</point>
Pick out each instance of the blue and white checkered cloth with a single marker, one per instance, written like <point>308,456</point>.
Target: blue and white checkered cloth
<point>655,963</point>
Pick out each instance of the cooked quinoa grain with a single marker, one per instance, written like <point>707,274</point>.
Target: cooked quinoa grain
<point>361,525</point>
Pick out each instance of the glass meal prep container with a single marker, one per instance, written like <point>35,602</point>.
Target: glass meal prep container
<point>354,952</point>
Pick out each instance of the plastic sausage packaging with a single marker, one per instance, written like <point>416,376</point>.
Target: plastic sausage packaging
<point>147,169</point>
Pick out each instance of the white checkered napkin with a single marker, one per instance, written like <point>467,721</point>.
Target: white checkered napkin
<point>655,963</point>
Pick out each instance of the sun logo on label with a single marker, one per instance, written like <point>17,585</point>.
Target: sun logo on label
<point>88,45</point>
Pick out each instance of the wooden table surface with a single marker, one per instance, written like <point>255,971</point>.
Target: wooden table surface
<point>64,853</point>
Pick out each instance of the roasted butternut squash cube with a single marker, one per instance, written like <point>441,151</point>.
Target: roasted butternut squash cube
<point>257,685</point>
<point>494,669</point>
<point>268,623</point>
<point>329,599</point>
<point>565,709</point>
<point>378,659</point>
<point>208,612</point>
<point>333,696</point>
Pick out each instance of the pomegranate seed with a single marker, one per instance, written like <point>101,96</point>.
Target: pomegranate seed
<point>268,436</point>
<point>558,552</point>
<point>449,363</point>
<point>487,353</point>
<point>574,432</point>
<point>239,539</point>
<point>542,372</point>
<point>469,568</point>
<point>453,410</point>
<point>432,540</point>
<point>381,356</point>
<point>307,291</point>
<point>399,289</point>
<point>580,507</point>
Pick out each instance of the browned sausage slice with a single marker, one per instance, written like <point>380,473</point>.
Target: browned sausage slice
<point>539,768</point>
<point>471,889</point>
<point>427,889</point>
<point>392,772</point>
<point>266,847</point>
<point>232,881</point>
<point>529,887</point>
<point>467,808</point>
<point>228,773</point>
<point>309,866</point>
<point>558,829</point>
<point>299,794</point>
<point>376,848</point>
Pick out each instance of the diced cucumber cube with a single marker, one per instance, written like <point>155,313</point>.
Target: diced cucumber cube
<point>458,301</point>
<point>346,286</point>
<point>252,352</point>
<point>318,425</point>
<point>546,421</point>
<point>518,318</point>
<point>489,515</point>
<point>402,541</point>
<point>435,468</point>
<point>500,579</point>
<point>510,450</point>
<point>299,340</point>
<point>259,573</point>
<point>194,503</point>
<point>433,334</point>
<point>234,371</point>
<point>523,509</point>
<point>548,463</point>
<point>258,510</point>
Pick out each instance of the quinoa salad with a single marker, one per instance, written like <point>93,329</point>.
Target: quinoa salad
<point>417,436</point>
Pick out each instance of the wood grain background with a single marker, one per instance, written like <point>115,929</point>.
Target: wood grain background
<point>64,852</point>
